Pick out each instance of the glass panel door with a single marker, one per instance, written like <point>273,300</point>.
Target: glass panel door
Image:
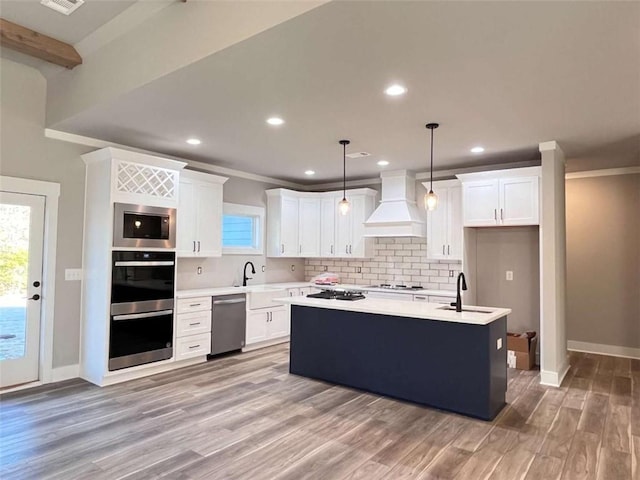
<point>21,245</point>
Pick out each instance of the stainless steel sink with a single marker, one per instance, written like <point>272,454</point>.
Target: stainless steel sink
<point>464,309</point>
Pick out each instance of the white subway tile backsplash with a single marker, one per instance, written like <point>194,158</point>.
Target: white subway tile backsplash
<point>396,260</point>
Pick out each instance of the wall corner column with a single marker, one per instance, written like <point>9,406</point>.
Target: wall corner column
<point>554,363</point>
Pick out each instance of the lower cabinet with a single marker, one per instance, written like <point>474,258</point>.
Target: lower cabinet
<point>267,324</point>
<point>193,328</point>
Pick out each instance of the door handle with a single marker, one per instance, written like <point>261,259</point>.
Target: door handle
<point>282,248</point>
<point>35,297</point>
<point>443,249</point>
<point>346,249</point>
<point>194,245</point>
<point>501,214</point>
<point>331,249</point>
<point>495,214</point>
<point>448,249</point>
<point>198,245</point>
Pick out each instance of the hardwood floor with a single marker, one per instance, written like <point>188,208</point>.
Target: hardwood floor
<point>245,417</point>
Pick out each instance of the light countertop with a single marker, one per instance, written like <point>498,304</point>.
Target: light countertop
<point>401,308</point>
<point>214,291</point>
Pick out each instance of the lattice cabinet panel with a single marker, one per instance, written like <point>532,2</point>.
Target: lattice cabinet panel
<point>135,178</point>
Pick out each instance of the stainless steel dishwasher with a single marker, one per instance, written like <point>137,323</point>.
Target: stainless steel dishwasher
<point>228,323</point>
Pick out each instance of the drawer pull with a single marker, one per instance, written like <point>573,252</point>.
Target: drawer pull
<point>194,324</point>
<point>420,298</point>
<point>194,346</point>
<point>195,304</point>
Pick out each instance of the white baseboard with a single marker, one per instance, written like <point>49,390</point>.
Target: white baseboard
<point>266,343</point>
<point>601,349</point>
<point>59,374</point>
<point>554,379</point>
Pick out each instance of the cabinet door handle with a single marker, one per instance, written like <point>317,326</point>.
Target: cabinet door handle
<point>282,248</point>
<point>448,249</point>
<point>420,298</point>
<point>194,246</point>
<point>198,245</point>
<point>299,248</point>
<point>350,249</point>
<point>331,249</point>
<point>443,249</point>
<point>495,214</point>
<point>501,214</point>
<point>193,346</point>
<point>346,249</point>
<point>194,324</point>
<point>195,304</point>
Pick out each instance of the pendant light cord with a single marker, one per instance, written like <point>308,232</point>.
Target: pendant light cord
<point>431,181</point>
<point>344,171</point>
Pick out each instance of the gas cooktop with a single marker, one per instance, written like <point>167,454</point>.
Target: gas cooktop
<point>389,286</point>
<point>338,295</point>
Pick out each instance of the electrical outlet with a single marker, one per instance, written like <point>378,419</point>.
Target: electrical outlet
<point>509,275</point>
<point>293,268</point>
<point>263,268</point>
<point>452,273</point>
<point>499,344</point>
<point>73,274</point>
<point>358,270</point>
<point>326,268</point>
<point>199,270</point>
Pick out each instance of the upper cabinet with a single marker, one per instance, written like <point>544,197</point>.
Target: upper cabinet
<point>199,227</point>
<point>350,239</point>
<point>308,224</point>
<point>286,212</point>
<point>501,197</point>
<point>444,224</point>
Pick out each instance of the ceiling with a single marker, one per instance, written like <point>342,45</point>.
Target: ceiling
<point>504,75</point>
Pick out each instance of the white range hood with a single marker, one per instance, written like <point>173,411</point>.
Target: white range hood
<point>397,215</point>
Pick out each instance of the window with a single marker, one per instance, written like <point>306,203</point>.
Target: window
<point>242,229</point>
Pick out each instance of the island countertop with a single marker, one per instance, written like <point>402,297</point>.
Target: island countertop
<point>400,308</point>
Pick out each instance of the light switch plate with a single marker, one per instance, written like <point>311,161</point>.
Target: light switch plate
<point>73,274</point>
<point>509,275</point>
<point>499,344</point>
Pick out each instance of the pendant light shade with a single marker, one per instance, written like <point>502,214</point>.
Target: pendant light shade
<point>343,205</point>
<point>431,199</point>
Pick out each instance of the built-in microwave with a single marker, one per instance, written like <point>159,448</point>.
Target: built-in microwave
<point>143,226</point>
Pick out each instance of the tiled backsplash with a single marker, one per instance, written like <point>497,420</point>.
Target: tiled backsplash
<point>396,260</point>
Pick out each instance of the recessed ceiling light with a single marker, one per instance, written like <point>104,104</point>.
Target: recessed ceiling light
<point>275,121</point>
<point>395,90</point>
<point>383,163</point>
<point>309,172</point>
<point>194,141</point>
<point>477,150</point>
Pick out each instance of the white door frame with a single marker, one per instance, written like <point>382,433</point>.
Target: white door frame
<point>51,192</point>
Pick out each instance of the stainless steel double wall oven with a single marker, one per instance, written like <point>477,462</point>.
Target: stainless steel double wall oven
<point>142,308</point>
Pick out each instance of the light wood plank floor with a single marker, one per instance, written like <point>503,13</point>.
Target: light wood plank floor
<point>245,417</point>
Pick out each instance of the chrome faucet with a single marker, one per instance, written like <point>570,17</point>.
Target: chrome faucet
<point>458,302</point>
<point>253,271</point>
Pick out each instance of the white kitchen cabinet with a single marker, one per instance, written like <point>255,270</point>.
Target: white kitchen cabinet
<point>444,224</point>
<point>282,223</point>
<point>328,212</point>
<point>267,324</point>
<point>501,198</point>
<point>307,224</point>
<point>199,227</point>
<point>192,327</point>
<point>350,239</point>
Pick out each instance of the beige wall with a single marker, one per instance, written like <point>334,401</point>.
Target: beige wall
<point>26,153</point>
<point>515,249</point>
<point>603,260</point>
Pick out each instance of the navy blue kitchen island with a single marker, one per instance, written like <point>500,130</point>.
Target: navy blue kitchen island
<point>452,361</point>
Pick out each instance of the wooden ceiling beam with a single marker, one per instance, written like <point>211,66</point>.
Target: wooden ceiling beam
<point>30,42</point>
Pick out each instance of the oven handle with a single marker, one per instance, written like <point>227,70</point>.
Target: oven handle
<point>133,316</point>
<point>144,264</point>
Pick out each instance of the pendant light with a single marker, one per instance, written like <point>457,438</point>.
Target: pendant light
<point>431,199</point>
<point>343,205</point>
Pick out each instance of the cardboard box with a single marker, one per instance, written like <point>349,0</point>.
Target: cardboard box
<point>521,351</point>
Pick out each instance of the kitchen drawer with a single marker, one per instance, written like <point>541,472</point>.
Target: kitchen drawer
<point>193,346</point>
<point>193,323</point>
<point>195,304</point>
<point>420,298</point>
<point>446,300</point>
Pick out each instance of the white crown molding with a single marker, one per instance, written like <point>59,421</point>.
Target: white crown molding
<point>605,172</point>
<point>97,143</point>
